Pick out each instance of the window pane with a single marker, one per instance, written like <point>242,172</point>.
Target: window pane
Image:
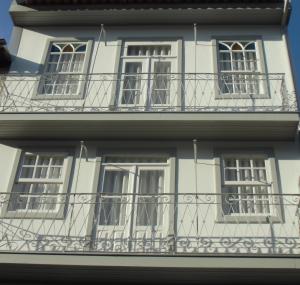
<point>39,199</point>
<point>29,159</point>
<point>147,211</point>
<point>115,182</point>
<point>262,200</point>
<point>230,200</point>
<point>27,172</point>
<point>231,175</point>
<point>161,83</point>
<point>150,183</point>
<point>18,199</point>
<point>247,200</point>
<point>55,172</point>
<point>132,83</point>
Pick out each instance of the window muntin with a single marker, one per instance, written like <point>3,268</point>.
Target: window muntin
<point>66,61</point>
<point>238,67</point>
<point>245,186</point>
<point>39,180</point>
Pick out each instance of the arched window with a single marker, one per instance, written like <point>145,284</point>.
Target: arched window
<point>63,68</point>
<point>238,67</point>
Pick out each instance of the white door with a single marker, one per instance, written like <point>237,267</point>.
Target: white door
<point>131,213</point>
<point>147,79</point>
<point>151,213</point>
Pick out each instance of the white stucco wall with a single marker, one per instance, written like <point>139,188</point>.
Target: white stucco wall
<point>33,45</point>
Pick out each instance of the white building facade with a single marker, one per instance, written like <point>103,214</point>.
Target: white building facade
<point>150,135</point>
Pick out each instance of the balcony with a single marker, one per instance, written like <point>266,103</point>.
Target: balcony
<point>160,224</point>
<point>205,105</point>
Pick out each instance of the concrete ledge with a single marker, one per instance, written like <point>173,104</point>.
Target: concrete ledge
<point>148,269</point>
<point>205,126</point>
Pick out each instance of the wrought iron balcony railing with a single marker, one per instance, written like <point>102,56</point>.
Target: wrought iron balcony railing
<point>165,224</point>
<point>230,92</point>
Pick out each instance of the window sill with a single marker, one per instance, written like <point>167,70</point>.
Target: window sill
<point>253,219</point>
<point>57,215</point>
<point>57,97</point>
<point>234,96</point>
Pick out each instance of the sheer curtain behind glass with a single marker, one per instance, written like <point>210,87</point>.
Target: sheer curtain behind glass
<point>112,210</point>
<point>151,183</point>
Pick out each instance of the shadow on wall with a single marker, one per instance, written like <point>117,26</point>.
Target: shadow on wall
<point>20,65</point>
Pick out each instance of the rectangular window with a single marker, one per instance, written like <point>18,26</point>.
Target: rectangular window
<point>246,185</point>
<point>238,67</point>
<point>133,202</point>
<point>40,179</point>
<point>64,68</point>
<point>146,74</point>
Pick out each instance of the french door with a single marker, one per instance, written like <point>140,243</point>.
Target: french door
<point>146,79</point>
<point>130,214</point>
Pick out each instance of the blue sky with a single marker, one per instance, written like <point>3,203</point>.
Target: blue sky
<point>293,29</point>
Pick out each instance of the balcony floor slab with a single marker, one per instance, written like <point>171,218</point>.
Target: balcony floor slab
<point>225,126</point>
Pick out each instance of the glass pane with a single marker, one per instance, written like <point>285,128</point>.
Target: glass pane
<point>251,62</point>
<point>115,182</point>
<point>230,162</point>
<point>260,175</point>
<point>77,64</point>
<point>230,200</point>
<point>147,208</point>
<point>226,84</point>
<point>262,200</point>
<point>44,160</point>
<point>55,48</point>
<point>132,83</point>
<point>27,172</point>
<point>29,159</point>
<point>57,161</point>
<point>247,200</point>
<point>238,61</point>
<point>151,182</point>
<point>41,172</point>
<point>223,46</point>
<point>39,200</point>
<point>65,63</point>
<point>36,201</point>
<point>259,163</point>
<point>161,83</point>
<point>55,172</point>
<point>18,198</point>
<point>110,211</point>
<point>231,175</point>
<point>225,61</point>
<point>50,202</point>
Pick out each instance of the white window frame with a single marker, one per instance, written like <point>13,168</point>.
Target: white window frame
<point>56,213</point>
<point>260,73</point>
<point>38,94</point>
<point>147,70</point>
<point>275,213</point>
<point>98,179</point>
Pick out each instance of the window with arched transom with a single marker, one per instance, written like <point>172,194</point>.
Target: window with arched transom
<point>238,67</point>
<point>64,67</point>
